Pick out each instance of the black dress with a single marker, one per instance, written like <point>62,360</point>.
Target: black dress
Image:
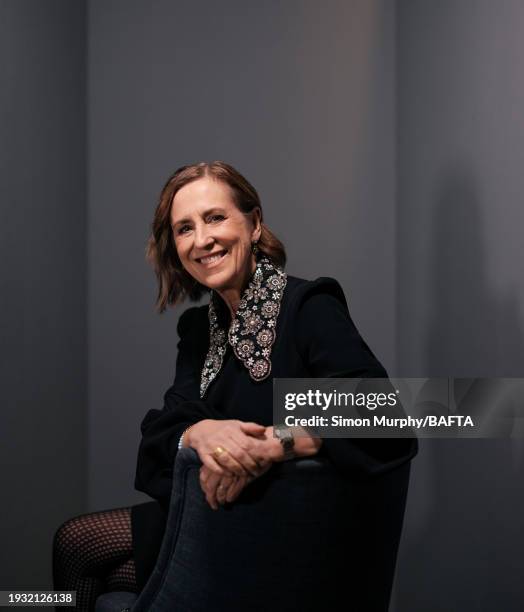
<point>315,337</point>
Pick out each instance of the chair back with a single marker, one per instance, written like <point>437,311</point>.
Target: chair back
<point>302,537</point>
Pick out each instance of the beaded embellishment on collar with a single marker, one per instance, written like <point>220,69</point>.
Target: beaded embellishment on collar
<point>252,332</point>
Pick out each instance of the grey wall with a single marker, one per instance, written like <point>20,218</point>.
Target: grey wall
<point>459,288</point>
<point>43,280</point>
<point>299,96</point>
<point>386,141</point>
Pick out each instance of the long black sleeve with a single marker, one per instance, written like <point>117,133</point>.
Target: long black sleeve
<point>161,429</point>
<point>331,346</point>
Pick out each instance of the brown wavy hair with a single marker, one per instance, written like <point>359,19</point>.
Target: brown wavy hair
<point>174,283</point>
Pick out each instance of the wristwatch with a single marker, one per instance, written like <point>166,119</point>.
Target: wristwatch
<point>284,434</point>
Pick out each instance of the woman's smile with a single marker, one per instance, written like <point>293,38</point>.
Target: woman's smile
<point>210,261</point>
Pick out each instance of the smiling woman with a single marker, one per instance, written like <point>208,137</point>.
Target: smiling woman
<point>208,236</point>
<point>213,245</point>
<point>207,210</point>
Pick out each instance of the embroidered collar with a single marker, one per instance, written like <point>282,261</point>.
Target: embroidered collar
<point>252,332</point>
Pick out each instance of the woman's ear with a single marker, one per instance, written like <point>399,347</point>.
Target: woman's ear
<point>257,224</point>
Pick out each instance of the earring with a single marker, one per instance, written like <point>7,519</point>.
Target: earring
<point>254,247</point>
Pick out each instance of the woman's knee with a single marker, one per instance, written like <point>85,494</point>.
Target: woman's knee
<point>70,533</point>
<point>89,532</point>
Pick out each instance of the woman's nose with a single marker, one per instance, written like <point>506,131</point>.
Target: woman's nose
<point>202,236</point>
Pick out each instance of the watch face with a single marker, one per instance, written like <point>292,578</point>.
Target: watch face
<point>285,436</point>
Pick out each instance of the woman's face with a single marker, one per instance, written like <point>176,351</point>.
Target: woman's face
<point>212,236</point>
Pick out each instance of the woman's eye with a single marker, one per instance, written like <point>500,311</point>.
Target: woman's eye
<point>182,230</point>
<point>215,218</point>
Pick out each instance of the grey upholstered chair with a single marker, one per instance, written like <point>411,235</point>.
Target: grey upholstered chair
<point>303,537</point>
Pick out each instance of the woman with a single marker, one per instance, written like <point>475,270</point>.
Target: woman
<point>260,323</point>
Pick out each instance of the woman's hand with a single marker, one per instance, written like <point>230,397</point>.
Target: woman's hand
<point>221,489</point>
<point>210,482</point>
<point>271,449</point>
<point>228,447</point>
<point>248,451</point>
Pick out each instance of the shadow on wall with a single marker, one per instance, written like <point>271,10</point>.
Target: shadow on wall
<point>472,331</point>
<point>466,514</point>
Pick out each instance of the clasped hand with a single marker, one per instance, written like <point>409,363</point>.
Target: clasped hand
<point>233,454</point>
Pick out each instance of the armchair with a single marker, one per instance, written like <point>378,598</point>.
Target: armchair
<point>302,537</point>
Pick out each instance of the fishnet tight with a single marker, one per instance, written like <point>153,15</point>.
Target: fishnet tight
<point>92,554</point>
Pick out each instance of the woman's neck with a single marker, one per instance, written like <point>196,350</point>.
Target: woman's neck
<point>232,296</point>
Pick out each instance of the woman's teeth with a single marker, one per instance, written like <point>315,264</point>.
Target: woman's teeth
<point>208,260</point>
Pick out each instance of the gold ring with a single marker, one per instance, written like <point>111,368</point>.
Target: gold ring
<point>219,451</point>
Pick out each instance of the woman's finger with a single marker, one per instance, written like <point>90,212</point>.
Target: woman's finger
<point>204,476</point>
<point>252,429</point>
<point>235,490</point>
<point>223,487</point>
<point>230,493</point>
<point>242,454</point>
<point>210,490</point>
<point>225,459</point>
<point>212,464</point>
